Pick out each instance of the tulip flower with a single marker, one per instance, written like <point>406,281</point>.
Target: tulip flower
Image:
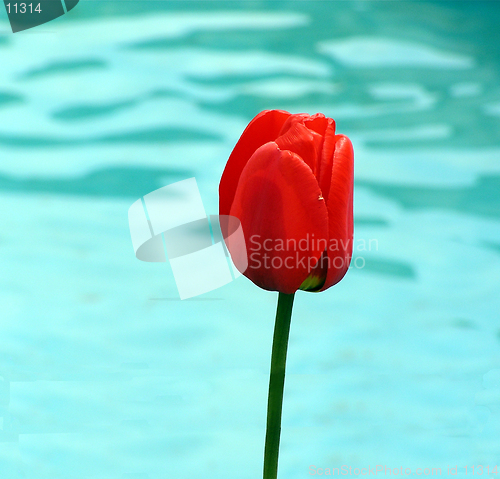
<point>289,181</point>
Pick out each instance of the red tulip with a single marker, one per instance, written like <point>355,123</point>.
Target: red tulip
<point>289,180</point>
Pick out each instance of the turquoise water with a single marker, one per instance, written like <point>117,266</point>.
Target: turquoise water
<point>105,374</point>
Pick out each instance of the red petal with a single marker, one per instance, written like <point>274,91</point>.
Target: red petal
<point>278,203</point>
<point>318,123</point>
<point>340,211</point>
<point>325,164</point>
<point>263,128</point>
<point>302,141</point>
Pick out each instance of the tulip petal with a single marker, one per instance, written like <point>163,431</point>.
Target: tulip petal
<point>318,123</point>
<point>326,160</point>
<point>283,217</point>
<point>263,128</point>
<point>340,211</point>
<point>302,141</point>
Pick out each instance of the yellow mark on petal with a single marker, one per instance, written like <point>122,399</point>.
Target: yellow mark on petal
<point>320,198</point>
<point>312,283</point>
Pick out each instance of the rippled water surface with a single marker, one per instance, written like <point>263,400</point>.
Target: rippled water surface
<point>105,374</point>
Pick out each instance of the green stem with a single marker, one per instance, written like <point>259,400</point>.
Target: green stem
<point>276,384</point>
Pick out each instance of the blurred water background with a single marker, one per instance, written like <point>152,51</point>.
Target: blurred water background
<point>105,374</point>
